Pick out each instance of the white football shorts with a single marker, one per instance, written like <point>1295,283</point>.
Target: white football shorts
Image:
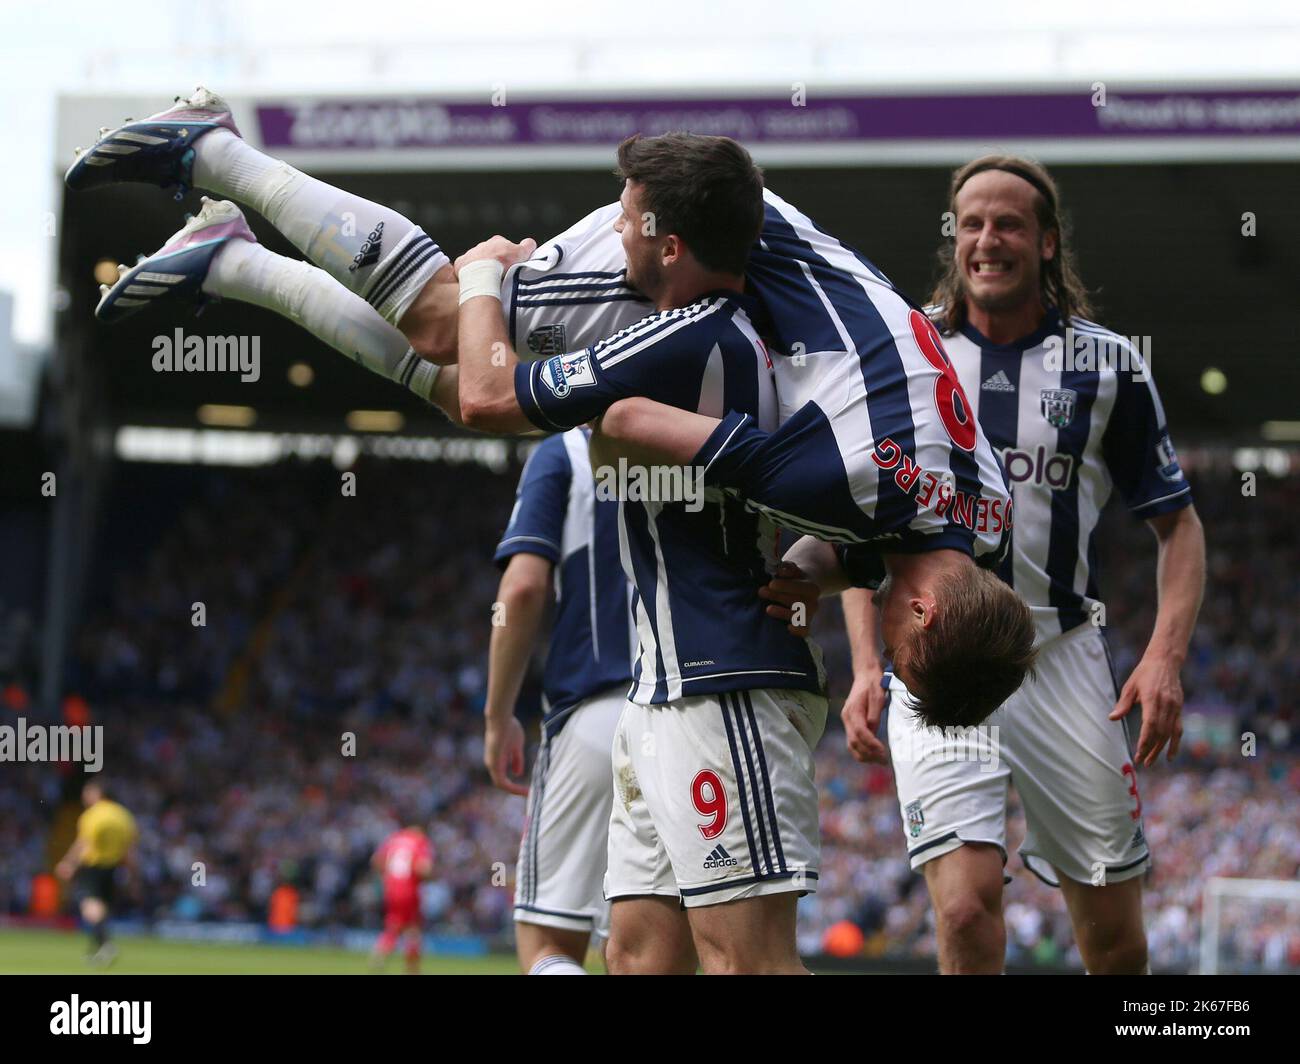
<point>561,867</point>
<point>1071,766</point>
<point>715,797</point>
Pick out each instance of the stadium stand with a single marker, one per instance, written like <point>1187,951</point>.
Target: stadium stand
<point>329,616</point>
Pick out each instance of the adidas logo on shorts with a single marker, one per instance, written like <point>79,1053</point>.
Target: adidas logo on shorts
<point>719,858</point>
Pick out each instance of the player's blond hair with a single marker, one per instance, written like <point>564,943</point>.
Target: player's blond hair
<point>975,654</point>
<point>1062,287</point>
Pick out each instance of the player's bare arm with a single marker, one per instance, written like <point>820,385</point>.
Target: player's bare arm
<point>1155,683</point>
<point>522,595</point>
<point>819,562</point>
<point>487,360</point>
<point>866,699</point>
<point>649,432</point>
<point>865,703</point>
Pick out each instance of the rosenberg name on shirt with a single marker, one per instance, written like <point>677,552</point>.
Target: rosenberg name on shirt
<point>938,494</point>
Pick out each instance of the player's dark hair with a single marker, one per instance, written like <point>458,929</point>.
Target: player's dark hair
<point>975,654</point>
<point>1062,286</point>
<point>705,190</point>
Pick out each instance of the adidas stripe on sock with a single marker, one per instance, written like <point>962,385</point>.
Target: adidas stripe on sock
<point>309,296</point>
<point>395,282</point>
<point>372,250</point>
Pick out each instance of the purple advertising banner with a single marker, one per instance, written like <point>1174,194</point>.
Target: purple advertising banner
<point>424,123</point>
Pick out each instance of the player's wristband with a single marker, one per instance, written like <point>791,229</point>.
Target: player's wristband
<point>482,278</point>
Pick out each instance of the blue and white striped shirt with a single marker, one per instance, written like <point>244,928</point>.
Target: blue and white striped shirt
<point>920,474</point>
<point>1069,426</point>
<point>696,569</point>
<point>861,378</point>
<point>558,517</point>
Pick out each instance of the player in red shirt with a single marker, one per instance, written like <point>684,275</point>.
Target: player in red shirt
<point>404,860</point>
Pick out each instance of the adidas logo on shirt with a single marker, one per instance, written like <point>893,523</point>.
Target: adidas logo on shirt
<point>719,858</point>
<point>999,382</point>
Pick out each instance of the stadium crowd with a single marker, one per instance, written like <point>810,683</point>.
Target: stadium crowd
<point>336,681</point>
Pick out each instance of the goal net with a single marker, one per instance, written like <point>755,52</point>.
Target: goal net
<point>1250,925</point>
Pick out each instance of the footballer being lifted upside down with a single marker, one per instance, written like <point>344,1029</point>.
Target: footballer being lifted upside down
<point>696,351</point>
<point>857,432</point>
<point>878,447</point>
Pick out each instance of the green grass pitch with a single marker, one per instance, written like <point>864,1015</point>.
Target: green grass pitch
<point>24,952</point>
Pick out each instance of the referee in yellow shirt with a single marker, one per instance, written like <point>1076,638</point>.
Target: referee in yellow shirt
<point>106,836</point>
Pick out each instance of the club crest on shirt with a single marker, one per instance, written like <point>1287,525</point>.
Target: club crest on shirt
<point>547,340</point>
<point>915,819</point>
<point>1058,406</point>
<point>563,373</point>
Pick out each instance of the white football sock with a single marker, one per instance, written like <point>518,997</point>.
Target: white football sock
<point>376,252</point>
<point>309,296</point>
<point>557,964</point>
